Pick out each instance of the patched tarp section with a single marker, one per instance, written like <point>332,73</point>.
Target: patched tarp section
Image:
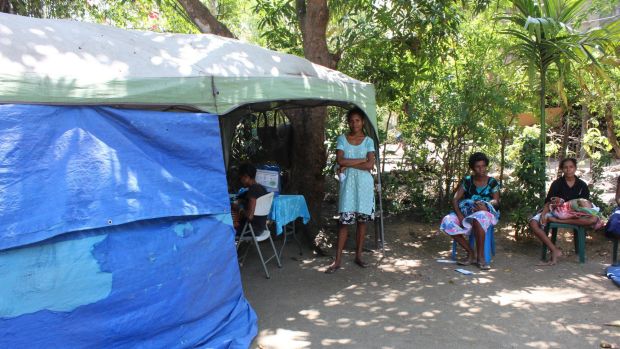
<point>115,231</point>
<point>161,283</point>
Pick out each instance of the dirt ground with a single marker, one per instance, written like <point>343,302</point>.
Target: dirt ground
<point>409,300</point>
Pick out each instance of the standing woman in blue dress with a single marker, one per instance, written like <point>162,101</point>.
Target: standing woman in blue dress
<point>355,154</point>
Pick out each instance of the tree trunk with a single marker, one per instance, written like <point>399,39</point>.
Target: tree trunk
<point>565,134</point>
<point>203,19</point>
<point>313,16</point>
<point>502,161</point>
<point>310,157</point>
<point>309,125</point>
<point>543,134</point>
<point>5,6</point>
<point>611,130</point>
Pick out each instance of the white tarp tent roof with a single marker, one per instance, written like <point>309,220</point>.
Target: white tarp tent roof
<point>68,62</point>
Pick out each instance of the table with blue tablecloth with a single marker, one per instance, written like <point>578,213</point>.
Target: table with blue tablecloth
<point>284,212</point>
<point>286,209</point>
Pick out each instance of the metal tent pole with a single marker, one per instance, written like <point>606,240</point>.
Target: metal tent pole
<point>380,193</point>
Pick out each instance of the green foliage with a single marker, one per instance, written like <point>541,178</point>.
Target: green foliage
<point>158,15</point>
<point>528,179</point>
<point>245,144</point>
<point>597,148</point>
<point>529,174</point>
<point>239,16</point>
<point>279,26</point>
<point>545,35</point>
<point>459,107</point>
<point>48,8</point>
<point>335,126</point>
<point>406,191</point>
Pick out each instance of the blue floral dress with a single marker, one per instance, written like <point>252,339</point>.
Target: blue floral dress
<point>357,189</point>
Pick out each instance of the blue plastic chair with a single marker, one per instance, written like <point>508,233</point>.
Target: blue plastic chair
<point>489,244</point>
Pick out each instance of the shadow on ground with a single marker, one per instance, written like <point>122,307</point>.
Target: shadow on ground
<point>409,300</point>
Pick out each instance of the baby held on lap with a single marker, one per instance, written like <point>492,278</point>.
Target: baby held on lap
<point>576,209</point>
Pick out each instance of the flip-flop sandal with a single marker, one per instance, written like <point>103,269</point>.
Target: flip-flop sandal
<point>331,269</point>
<point>484,266</point>
<point>464,262</point>
<point>361,264</point>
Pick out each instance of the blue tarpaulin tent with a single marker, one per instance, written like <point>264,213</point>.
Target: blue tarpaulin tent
<point>116,231</point>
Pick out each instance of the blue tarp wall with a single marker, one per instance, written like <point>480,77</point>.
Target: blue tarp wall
<point>115,231</point>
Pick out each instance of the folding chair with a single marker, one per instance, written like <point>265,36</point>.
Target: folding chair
<point>263,206</point>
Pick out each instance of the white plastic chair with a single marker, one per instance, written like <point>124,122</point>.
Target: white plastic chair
<point>263,206</point>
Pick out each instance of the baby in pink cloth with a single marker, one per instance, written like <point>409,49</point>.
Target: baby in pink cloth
<point>577,211</point>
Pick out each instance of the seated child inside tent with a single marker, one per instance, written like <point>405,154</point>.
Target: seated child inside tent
<point>243,209</point>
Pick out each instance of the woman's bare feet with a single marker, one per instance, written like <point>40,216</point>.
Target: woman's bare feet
<point>469,260</point>
<point>332,268</point>
<point>555,256</point>
<point>361,263</point>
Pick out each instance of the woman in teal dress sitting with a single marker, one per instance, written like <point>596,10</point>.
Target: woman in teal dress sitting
<point>355,155</point>
<point>475,210</point>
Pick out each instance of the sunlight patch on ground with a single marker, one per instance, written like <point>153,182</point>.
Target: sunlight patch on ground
<point>327,342</point>
<point>413,244</point>
<point>400,265</point>
<point>543,345</point>
<point>395,329</point>
<point>363,304</point>
<point>391,296</point>
<point>576,329</point>
<point>596,289</point>
<point>493,328</point>
<point>418,299</point>
<point>344,322</point>
<point>284,339</point>
<point>336,299</point>
<point>313,316</point>
<point>536,295</point>
<point>482,280</point>
<point>310,314</point>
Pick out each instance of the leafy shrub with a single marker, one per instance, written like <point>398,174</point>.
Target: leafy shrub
<point>597,148</point>
<point>522,194</point>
